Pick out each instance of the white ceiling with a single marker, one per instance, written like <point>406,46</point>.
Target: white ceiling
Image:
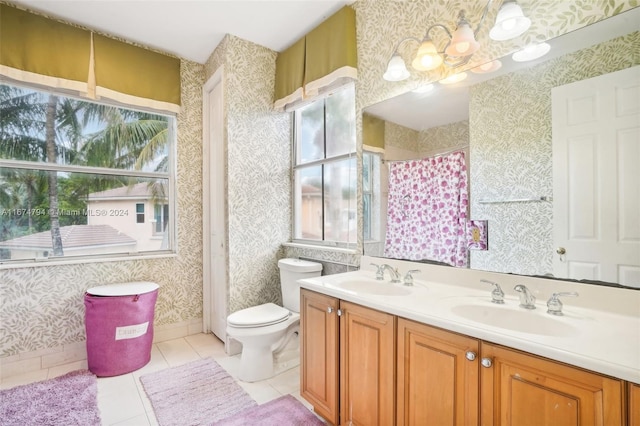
<point>192,29</point>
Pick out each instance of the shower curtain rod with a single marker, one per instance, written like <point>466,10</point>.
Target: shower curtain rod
<point>440,154</point>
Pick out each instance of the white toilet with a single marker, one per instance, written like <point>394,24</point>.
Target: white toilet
<point>266,329</point>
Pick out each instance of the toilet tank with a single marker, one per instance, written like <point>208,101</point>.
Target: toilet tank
<point>292,270</point>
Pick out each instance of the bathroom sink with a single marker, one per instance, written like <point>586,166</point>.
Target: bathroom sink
<point>515,318</point>
<point>370,286</point>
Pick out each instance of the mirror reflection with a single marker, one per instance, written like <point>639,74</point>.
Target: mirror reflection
<point>530,169</point>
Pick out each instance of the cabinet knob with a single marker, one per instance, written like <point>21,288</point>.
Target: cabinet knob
<point>470,355</point>
<point>486,362</point>
<point>329,310</point>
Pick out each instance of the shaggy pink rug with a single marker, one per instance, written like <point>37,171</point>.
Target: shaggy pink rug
<point>196,393</point>
<point>65,401</point>
<point>284,411</point>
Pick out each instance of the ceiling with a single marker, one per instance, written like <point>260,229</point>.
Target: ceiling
<point>192,29</point>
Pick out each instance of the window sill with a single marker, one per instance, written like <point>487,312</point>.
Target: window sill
<point>321,247</point>
<point>39,263</point>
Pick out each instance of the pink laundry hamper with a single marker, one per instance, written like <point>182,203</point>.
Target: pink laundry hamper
<point>119,325</point>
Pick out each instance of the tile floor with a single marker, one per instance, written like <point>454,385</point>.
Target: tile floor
<point>122,400</point>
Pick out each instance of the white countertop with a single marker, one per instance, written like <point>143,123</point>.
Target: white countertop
<point>605,340</point>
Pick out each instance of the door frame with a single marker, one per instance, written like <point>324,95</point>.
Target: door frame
<point>212,196</point>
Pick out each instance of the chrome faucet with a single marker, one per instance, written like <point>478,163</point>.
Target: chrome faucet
<point>395,275</point>
<point>379,272</point>
<point>527,299</point>
<point>408,278</point>
<point>497,295</point>
<point>554,305</point>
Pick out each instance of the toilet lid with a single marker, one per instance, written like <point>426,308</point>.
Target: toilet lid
<point>258,316</point>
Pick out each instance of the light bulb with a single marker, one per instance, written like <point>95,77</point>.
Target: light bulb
<point>508,24</point>
<point>427,57</point>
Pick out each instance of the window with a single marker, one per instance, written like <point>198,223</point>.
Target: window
<point>325,171</point>
<point>370,195</point>
<point>161,218</point>
<point>140,213</point>
<point>75,177</point>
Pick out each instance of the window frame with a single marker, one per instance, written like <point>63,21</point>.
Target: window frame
<point>169,176</point>
<point>351,155</point>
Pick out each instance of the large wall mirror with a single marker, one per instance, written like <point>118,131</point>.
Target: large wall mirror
<point>552,188</point>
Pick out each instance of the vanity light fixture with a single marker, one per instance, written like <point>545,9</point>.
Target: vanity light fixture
<point>510,22</point>
<point>531,52</point>
<point>396,70</point>
<point>460,45</point>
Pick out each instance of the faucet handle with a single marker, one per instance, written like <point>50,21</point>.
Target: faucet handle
<point>497,295</point>
<point>554,305</point>
<point>408,278</point>
<point>379,272</point>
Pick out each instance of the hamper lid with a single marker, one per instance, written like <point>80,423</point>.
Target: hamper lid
<point>123,289</point>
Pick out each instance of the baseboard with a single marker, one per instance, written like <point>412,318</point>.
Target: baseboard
<point>43,359</point>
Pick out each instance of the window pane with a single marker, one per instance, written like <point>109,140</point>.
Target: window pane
<point>366,172</point>
<point>93,214</point>
<point>79,132</point>
<point>308,203</point>
<point>340,200</point>
<point>310,131</point>
<point>341,118</point>
<point>366,207</point>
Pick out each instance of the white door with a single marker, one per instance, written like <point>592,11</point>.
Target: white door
<point>596,178</point>
<point>213,210</point>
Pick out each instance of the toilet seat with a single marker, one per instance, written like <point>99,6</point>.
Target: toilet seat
<point>258,316</point>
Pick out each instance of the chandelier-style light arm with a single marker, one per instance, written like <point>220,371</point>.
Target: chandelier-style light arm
<point>395,49</point>
<point>484,15</point>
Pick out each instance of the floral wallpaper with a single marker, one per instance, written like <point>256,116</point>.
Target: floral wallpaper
<point>42,307</point>
<point>510,151</point>
<point>258,162</point>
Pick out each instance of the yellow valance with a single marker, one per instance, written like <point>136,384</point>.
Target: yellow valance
<point>290,74</point>
<point>136,76</point>
<point>322,60</point>
<point>38,50</point>
<point>35,49</point>
<point>331,52</point>
<point>373,133</point>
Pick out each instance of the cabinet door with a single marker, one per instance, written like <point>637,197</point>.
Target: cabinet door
<point>634,404</point>
<point>521,389</point>
<point>367,375</point>
<point>319,353</point>
<point>437,383</point>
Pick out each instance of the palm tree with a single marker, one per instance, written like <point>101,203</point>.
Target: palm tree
<point>50,135</point>
<point>47,128</point>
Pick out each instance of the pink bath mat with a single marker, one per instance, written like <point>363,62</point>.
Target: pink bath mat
<point>284,411</point>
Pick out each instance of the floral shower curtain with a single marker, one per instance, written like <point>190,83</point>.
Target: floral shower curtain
<point>427,210</point>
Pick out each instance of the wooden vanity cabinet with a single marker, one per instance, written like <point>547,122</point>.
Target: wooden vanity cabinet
<point>350,355</point>
<point>634,404</point>
<point>357,343</point>
<point>367,366</point>
<point>319,353</point>
<point>522,389</point>
<point>438,378</point>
